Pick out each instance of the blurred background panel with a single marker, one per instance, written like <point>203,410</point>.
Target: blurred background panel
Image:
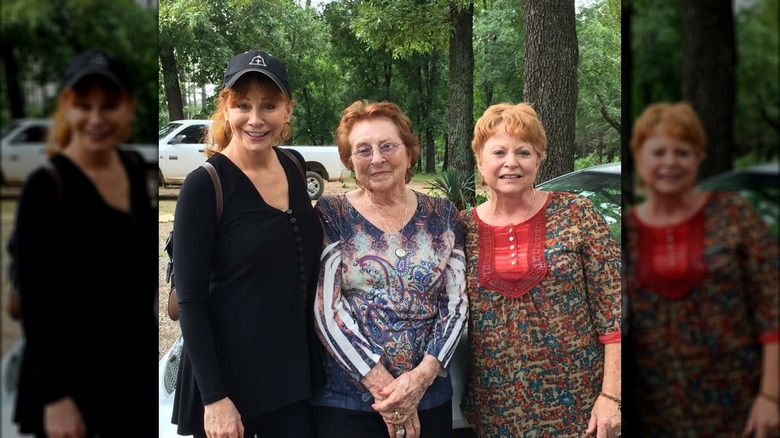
<point>39,38</point>
<point>722,57</point>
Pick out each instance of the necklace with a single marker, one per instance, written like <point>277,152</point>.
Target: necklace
<point>399,252</point>
<point>528,213</point>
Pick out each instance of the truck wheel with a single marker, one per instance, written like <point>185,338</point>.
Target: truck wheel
<point>160,179</point>
<point>315,185</point>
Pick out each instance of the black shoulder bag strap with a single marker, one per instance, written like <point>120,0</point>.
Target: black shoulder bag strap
<point>295,160</point>
<point>55,175</point>
<point>173,305</point>
<point>217,186</point>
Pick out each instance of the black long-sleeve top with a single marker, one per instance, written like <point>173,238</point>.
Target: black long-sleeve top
<point>87,276</point>
<point>243,285</point>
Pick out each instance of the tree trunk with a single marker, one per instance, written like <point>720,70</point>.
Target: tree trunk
<point>626,86</point>
<point>171,83</point>
<point>13,90</point>
<point>709,76</point>
<point>551,58</point>
<point>460,117</point>
<point>204,107</point>
<point>430,85</point>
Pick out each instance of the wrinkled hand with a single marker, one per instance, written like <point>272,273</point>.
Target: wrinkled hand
<point>222,420</point>
<point>376,379</point>
<point>605,420</point>
<point>403,394</point>
<point>62,419</point>
<point>410,423</point>
<point>764,419</point>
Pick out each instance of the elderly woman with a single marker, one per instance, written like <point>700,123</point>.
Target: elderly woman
<point>391,300</point>
<point>544,295</point>
<point>702,293</point>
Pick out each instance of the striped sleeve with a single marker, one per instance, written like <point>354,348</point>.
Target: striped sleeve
<point>335,323</point>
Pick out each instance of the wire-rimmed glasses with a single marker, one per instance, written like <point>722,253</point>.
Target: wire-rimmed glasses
<point>365,152</point>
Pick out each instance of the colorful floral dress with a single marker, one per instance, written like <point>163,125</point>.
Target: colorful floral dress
<point>536,358</point>
<point>697,355</point>
<point>389,298</point>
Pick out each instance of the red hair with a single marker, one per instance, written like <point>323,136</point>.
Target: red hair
<point>362,110</point>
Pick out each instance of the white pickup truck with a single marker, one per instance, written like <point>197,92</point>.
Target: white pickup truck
<point>181,147</point>
<point>23,145</point>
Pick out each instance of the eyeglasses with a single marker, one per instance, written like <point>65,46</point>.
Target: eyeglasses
<point>386,149</point>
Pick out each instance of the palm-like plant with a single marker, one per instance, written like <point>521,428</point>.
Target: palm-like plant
<point>455,187</point>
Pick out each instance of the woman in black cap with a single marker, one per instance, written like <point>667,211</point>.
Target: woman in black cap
<point>245,278</point>
<point>86,228</point>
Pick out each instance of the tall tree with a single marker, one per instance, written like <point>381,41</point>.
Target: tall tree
<point>460,116</point>
<point>170,82</point>
<point>499,62</point>
<point>757,114</point>
<point>709,76</point>
<point>551,59</point>
<point>598,109</point>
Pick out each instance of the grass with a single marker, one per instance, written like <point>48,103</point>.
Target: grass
<point>167,207</point>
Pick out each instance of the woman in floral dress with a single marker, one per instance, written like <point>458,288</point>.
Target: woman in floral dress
<point>702,291</point>
<point>543,273</point>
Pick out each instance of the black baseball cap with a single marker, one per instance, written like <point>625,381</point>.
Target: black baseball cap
<point>261,62</point>
<point>99,63</point>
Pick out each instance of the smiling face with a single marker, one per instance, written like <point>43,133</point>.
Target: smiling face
<point>97,119</point>
<point>508,165</point>
<point>257,116</point>
<point>667,165</point>
<point>379,172</point>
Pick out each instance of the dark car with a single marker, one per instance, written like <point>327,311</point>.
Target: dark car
<point>600,183</point>
<point>760,184</point>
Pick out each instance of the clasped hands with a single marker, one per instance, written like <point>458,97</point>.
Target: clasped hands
<point>396,399</point>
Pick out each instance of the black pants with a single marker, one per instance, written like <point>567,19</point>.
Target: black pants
<point>345,423</point>
<point>292,421</point>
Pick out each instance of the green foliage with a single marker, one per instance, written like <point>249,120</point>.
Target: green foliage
<point>599,100</point>
<point>753,159</point>
<point>758,88</point>
<point>588,161</point>
<point>454,187</point>
<point>656,44</point>
<point>403,27</point>
<point>498,52</point>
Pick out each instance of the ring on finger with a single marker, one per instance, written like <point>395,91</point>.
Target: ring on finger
<point>397,416</point>
<point>400,432</point>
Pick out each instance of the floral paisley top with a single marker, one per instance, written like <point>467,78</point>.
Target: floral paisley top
<point>536,359</point>
<point>376,303</point>
<point>697,356</point>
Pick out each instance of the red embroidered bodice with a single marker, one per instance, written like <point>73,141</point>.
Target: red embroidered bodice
<point>512,257</point>
<point>671,258</point>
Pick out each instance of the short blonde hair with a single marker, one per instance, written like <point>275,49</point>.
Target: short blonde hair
<point>519,121</point>
<point>678,120</point>
<point>219,133</point>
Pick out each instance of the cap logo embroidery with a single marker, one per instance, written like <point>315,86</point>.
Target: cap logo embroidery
<point>99,60</point>
<point>257,60</point>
